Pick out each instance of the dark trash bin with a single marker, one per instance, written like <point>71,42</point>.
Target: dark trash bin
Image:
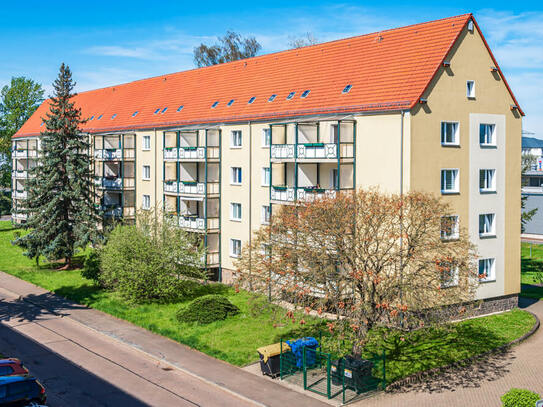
<point>297,348</point>
<point>270,355</point>
<point>336,371</point>
<point>357,373</point>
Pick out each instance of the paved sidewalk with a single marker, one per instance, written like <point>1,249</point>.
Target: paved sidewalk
<point>199,372</point>
<point>481,384</point>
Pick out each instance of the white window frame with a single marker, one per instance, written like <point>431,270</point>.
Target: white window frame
<point>265,214</point>
<point>146,202</point>
<point>453,279</point>
<point>266,138</point>
<point>266,176</point>
<point>456,141</point>
<point>455,228</point>
<point>456,189</point>
<point>491,184</point>
<point>146,146</point>
<point>470,92</point>
<point>489,269</point>
<point>489,231</point>
<point>235,211</point>
<point>235,244</point>
<point>235,136</point>
<point>143,176</point>
<point>492,142</point>
<point>233,180</point>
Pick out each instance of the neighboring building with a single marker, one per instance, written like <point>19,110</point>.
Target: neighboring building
<point>532,184</point>
<point>423,107</point>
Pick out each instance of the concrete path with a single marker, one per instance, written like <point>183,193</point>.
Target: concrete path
<point>87,358</point>
<point>481,384</point>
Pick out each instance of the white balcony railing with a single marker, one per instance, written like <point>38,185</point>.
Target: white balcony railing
<point>170,153</point>
<point>22,216</point>
<point>19,174</point>
<point>284,151</point>
<point>171,187</point>
<point>19,194</point>
<point>108,154</point>
<point>192,188</point>
<point>310,194</point>
<point>112,182</point>
<point>317,150</point>
<point>282,194</point>
<point>192,153</point>
<point>20,153</point>
<point>191,223</point>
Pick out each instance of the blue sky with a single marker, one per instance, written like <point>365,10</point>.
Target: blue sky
<point>112,42</point>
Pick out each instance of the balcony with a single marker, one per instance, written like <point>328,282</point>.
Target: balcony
<point>307,194</point>
<point>108,154</point>
<point>19,216</point>
<point>191,153</point>
<point>19,174</point>
<point>114,182</point>
<point>190,188</point>
<point>19,194</point>
<point>305,151</point>
<point>191,223</point>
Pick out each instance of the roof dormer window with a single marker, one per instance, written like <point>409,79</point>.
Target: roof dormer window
<point>92,117</point>
<point>135,113</point>
<point>306,92</point>
<point>163,110</point>
<point>347,89</point>
<point>272,98</point>
<point>180,108</point>
<point>114,116</point>
<point>158,110</point>
<point>214,105</point>
<point>291,95</point>
<point>251,100</point>
<point>99,117</point>
<point>231,102</point>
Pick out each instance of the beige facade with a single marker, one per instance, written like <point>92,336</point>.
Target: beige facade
<point>222,180</point>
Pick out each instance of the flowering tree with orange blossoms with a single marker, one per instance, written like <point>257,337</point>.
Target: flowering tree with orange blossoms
<point>364,259</point>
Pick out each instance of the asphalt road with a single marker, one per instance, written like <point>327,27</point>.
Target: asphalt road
<point>81,367</point>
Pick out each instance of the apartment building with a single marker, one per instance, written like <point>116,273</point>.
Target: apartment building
<point>423,107</point>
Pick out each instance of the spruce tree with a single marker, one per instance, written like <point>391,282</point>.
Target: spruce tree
<point>62,217</point>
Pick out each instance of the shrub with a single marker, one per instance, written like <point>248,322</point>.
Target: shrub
<point>150,261</point>
<point>520,398</point>
<point>91,266</point>
<point>207,309</point>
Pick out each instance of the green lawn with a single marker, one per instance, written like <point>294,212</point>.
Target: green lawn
<point>235,339</point>
<point>532,263</point>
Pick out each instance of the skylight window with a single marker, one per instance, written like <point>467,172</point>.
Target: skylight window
<point>114,116</point>
<point>92,117</point>
<point>99,117</point>
<point>272,98</point>
<point>180,108</point>
<point>251,100</point>
<point>163,110</point>
<point>214,105</point>
<point>158,110</point>
<point>135,113</point>
<point>346,89</point>
<point>291,95</point>
<point>306,92</point>
<point>231,102</point>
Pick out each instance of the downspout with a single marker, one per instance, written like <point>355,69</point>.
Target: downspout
<point>401,210</point>
<point>250,196</point>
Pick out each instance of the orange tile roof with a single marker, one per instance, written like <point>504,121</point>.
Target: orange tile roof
<point>388,70</point>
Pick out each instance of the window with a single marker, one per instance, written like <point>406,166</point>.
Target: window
<point>18,388</point>
<point>266,214</point>
<point>304,95</point>
<point>334,133</point>
<point>235,140</point>
<point>487,134</point>
<point>214,105</point>
<point>180,108</point>
<point>231,102</point>
<point>235,247</point>
<point>272,98</point>
<point>449,181</point>
<point>135,113</point>
<point>146,142</point>
<point>347,89</point>
<point>146,172</point>
<point>449,274</point>
<point>487,180</point>
<point>486,225</point>
<point>266,137</point>
<point>158,110</point>
<point>114,116</point>
<point>92,117</point>
<point>236,176</point>
<point>6,370</point>
<point>99,117</point>
<point>291,95</point>
<point>146,202</point>
<point>333,178</point>
<point>235,211</point>
<point>470,89</point>
<point>163,110</point>
<point>251,100</point>
<point>450,227</point>
<point>449,133</point>
<point>266,176</point>
<point>486,270</point>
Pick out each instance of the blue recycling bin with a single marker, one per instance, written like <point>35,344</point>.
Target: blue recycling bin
<point>297,347</point>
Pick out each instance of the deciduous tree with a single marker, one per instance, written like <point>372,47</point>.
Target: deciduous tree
<point>369,258</point>
<point>231,47</point>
